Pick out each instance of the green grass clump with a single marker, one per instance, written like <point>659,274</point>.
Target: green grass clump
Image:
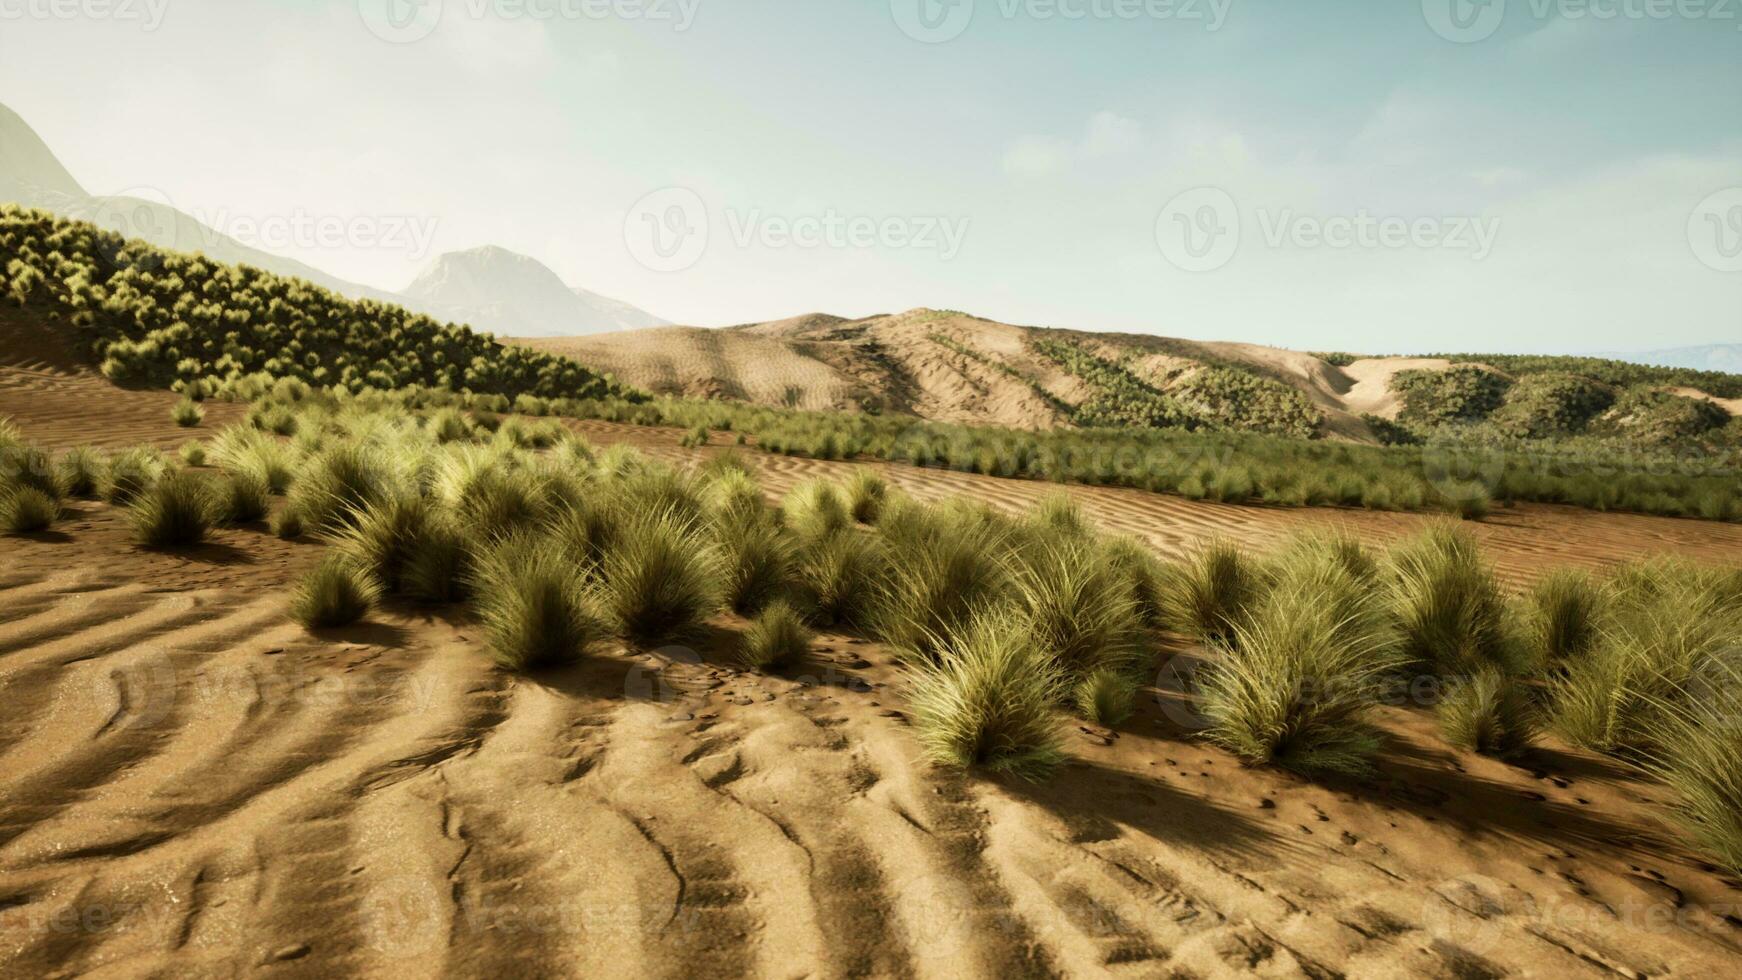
<point>192,453</point>
<point>1449,609</point>
<point>1205,596</point>
<point>942,573</point>
<point>776,638</point>
<point>26,510</point>
<point>80,472</point>
<point>1565,612</point>
<point>1143,573</point>
<point>662,578</point>
<point>816,509</point>
<point>340,482</point>
<point>1489,713</point>
<point>987,700</point>
<point>843,575</point>
<point>734,496</point>
<point>1295,683</point>
<point>384,535</point>
<point>534,605</point>
<point>437,567</point>
<point>187,413</point>
<point>28,466</point>
<point>1080,608</point>
<point>1671,623</point>
<point>132,472</point>
<point>1105,697</point>
<point>1696,745</point>
<point>760,563</point>
<point>1060,512</point>
<point>866,493</point>
<point>242,447</point>
<point>242,497</point>
<point>337,592</point>
<point>176,511</point>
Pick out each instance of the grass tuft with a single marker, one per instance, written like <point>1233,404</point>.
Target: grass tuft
<point>1448,607</point>
<point>661,577</point>
<point>987,700</point>
<point>1565,608</point>
<point>132,472</point>
<point>843,575</point>
<point>26,510</point>
<point>1209,593</point>
<point>1489,713</point>
<point>187,413</point>
<point>866,492</point>
<point>336,592</point>
<point>533,604</point>
<point>776,638</point>
<point>1105,697</point>
<point>176,511</point>
<point>80,473</point>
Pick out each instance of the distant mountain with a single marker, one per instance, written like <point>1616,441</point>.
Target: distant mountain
<point>489,288</point>
<point>1711,357</point>
<point>515,295</point>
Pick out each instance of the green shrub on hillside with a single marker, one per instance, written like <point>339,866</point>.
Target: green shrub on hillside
<point>1466,393</point>
<point>1660,418</point>
<point>159,318</point>
<point>1552,404</point>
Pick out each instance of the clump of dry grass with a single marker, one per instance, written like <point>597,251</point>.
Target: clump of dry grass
<point>337,592</point>
<point>987,699</point>
<point>1207,595</point>
<point>661,577</point>
<point>534,606</point>
<point>777,637</point>
<point>176,511</point>
<point>1489,713</point>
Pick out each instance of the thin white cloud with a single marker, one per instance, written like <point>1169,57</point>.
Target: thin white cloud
<point>1107,134</point>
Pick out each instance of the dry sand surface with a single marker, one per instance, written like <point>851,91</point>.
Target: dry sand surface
<point>190,785</point>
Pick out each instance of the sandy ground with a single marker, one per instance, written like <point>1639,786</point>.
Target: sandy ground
<point>190,785</point>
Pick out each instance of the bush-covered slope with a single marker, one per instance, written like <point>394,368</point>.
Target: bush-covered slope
<point>152,317</point>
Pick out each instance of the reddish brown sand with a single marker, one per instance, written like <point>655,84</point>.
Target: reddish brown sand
<point>191,785</point>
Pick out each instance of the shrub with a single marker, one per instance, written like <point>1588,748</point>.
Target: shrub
<point>1449,609</point>
<point>987,700</point>
<point>844,574</point>
<point>1488,713</point>
<point>1294,684</point>
<point>187,413</point>
<point>1105,697</point>
<point>1205,596</point>
<point>776,638</point>
<point>80,472</point>
<point>26,510</point>
<point>866,491</point>
<point>533,604</point>
<point>1460,394</point>
<point>760,563</point>
<point>1564,611</point>
<point>178,510</point>
<point>242,497</point>
<point>815,509</point>
<point>336,592</point>
<point>661,578</point>
<point>1696,745</point>
<point>132,472</point>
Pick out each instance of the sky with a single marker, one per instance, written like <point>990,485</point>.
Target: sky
<point>1411,176</point>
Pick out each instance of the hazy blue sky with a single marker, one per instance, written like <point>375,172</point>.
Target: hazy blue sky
<point>1550,173</point>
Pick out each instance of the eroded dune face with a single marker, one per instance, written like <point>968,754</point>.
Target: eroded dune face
<point>192,785</point>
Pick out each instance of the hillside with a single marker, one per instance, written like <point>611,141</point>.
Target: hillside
<point>491,289</point>
<point>500,291</point>
<point>951,367</point>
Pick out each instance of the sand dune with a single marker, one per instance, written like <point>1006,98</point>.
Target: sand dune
<point>192,785</point>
